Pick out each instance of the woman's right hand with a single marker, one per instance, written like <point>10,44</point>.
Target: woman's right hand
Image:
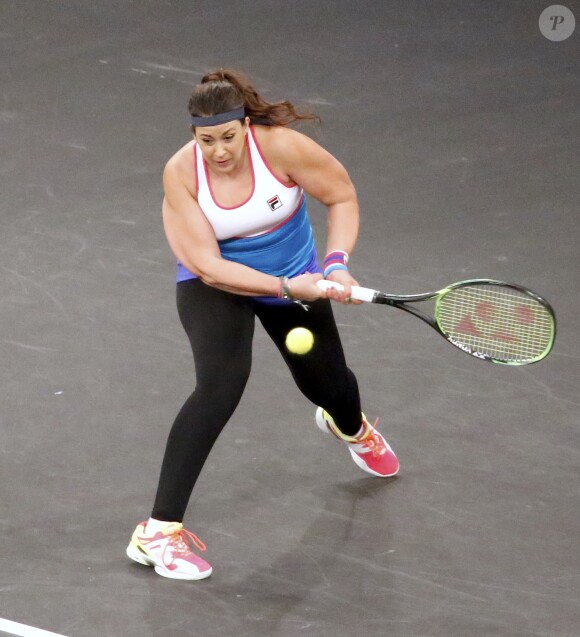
<point>304,288</point>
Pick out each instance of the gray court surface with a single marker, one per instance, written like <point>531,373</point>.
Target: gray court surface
<point>459,123</point>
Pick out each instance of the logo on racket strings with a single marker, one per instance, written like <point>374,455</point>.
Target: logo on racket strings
<point>486,320</point>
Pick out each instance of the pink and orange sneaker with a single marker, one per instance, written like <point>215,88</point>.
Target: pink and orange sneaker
<point>169,551</point>
<point>370,451</point>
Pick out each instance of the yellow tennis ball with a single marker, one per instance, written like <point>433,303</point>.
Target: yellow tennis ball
<point>299,340</point>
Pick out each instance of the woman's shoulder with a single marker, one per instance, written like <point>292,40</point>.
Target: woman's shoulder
<point>182,158</point>
<point>276,135</point>
<point>180,167</point>
<point>281,143</point>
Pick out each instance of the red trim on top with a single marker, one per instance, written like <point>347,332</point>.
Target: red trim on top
<point>195,167</point>
<point>243,202</point>
<point>278,225</point>
<point>289,186</point>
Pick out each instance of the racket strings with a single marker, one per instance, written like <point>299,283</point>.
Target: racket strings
<point>498,322</point>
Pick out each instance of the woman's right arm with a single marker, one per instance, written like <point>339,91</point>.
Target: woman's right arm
<point>193,242</point>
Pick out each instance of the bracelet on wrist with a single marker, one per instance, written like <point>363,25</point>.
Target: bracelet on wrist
<point>285,291</point>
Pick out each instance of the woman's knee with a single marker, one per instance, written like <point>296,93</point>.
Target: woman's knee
<point>225,388</point>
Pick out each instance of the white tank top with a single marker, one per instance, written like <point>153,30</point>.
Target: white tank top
<point>270,203</point>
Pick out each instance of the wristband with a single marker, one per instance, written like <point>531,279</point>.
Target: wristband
<point>336,256</point>
<point>333,267</point>
<point>335,260</point>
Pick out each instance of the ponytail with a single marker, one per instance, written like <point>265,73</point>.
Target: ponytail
<point>226,90</point>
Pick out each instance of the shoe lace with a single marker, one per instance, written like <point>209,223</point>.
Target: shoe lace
<point>181,542</point>
<point>371,440</point>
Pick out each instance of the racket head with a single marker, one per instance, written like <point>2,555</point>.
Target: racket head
<point>496,321</point>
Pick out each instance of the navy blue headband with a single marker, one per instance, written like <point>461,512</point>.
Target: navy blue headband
<point>220,118</point>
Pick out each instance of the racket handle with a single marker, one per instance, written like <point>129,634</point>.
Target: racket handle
<point>357,293</point>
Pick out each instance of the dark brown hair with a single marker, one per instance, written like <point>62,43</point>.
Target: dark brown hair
<point>227,89</point>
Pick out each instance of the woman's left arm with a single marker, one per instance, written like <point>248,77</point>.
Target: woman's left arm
<point>323,177</point>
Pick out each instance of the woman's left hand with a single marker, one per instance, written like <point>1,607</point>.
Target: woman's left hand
<point>347,281</point>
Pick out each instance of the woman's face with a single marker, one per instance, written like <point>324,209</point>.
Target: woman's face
<point>223,145</point>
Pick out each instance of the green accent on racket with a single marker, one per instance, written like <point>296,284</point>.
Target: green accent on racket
<point>498,322</point>
<point>492,320</point>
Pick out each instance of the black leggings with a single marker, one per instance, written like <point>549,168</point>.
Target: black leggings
<point>220,327</point>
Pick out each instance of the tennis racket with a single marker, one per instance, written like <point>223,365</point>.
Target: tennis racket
<point>491,320</point>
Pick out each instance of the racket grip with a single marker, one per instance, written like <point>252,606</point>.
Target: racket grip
<point>357,293</point>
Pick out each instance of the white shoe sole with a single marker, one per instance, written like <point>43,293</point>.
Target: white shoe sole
<point>137,556</point>
<point>321,422</point>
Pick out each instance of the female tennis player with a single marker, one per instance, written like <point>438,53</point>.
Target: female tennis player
<point>235,217</point>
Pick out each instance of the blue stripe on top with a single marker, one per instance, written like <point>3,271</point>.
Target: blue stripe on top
<point>288,250</point>
<point>283,251</point>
